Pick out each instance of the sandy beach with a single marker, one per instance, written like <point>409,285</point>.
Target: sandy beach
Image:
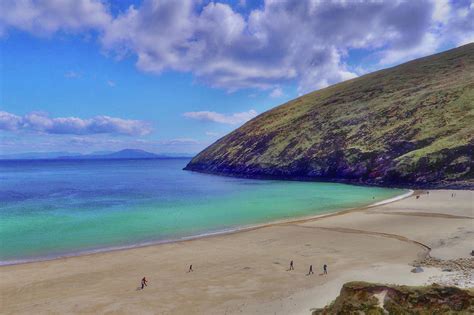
<point>247,272</point>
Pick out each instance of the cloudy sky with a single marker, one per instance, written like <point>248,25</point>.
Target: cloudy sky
<point>175,75</point>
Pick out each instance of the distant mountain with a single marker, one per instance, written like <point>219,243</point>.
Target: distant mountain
<point>410,125</point>
<point>123,154</point>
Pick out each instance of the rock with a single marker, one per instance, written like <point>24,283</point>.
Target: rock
<point>417,269</point>
<point>363,298</point>
<point>472,252</point>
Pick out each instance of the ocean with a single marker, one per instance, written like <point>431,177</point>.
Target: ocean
<point>54,208</point>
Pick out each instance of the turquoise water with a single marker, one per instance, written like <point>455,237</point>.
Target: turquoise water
<point>54,208</point>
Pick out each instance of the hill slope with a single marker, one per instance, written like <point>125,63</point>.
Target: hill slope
<point>410,125</point>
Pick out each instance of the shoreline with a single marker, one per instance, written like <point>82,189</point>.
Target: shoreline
<point>238,229</point>
<point>247,273</point>
<point>462,185</point>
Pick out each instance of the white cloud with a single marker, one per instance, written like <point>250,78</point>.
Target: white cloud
<point>460,25</point>
<point>48,16</point>
<point>230,119</point>
<point>442,10</point>
<point>277,92</point>
<point>279,42</point>
<point>111,83</point>
<point>41,122</point>
<point>427,46</point>
<point>9,121</point>
<point>448,23</point>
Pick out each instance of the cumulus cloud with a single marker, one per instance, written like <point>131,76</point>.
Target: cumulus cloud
<point>282,41</point>
<point>459,23</point>
<point>41,122</point>
<point>9,121</point>
<point>44,17</point>
<point>230,119</point>
<point>306,41</point>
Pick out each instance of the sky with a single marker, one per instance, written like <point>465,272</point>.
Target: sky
<point>173,76</point>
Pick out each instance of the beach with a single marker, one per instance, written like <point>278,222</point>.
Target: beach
<point>247,272</point>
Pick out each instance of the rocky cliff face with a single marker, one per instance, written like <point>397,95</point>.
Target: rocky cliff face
<point>411,125</point>
<point>367,298</point>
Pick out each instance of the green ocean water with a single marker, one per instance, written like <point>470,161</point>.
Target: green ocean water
<point>55,208</point>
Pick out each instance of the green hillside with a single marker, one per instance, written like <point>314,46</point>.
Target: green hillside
<point>410,125</point>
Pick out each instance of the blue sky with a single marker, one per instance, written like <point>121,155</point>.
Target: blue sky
<point>174,76</point>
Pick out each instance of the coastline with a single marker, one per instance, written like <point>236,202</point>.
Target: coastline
<point>460,185</point>
<point>246,272</point>
<point>237,229</point>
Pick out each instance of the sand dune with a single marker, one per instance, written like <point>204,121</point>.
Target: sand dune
<point>246,272</point>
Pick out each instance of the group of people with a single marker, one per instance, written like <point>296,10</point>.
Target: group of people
<point>310,272</point>
<point>144,282</point>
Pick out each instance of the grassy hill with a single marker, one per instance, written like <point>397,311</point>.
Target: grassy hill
<point>410,125</point>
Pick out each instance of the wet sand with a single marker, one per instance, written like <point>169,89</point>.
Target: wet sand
<point>246,272</point>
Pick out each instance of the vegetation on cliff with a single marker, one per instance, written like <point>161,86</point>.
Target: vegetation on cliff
<point>410,125</point>
<point>374,299</point>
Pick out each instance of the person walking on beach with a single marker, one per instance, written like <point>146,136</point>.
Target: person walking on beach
<point>144,283</point>
<point>190,268</point>
<point>325,269</point>
<point>291,265</point>
<point>310,272</point>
